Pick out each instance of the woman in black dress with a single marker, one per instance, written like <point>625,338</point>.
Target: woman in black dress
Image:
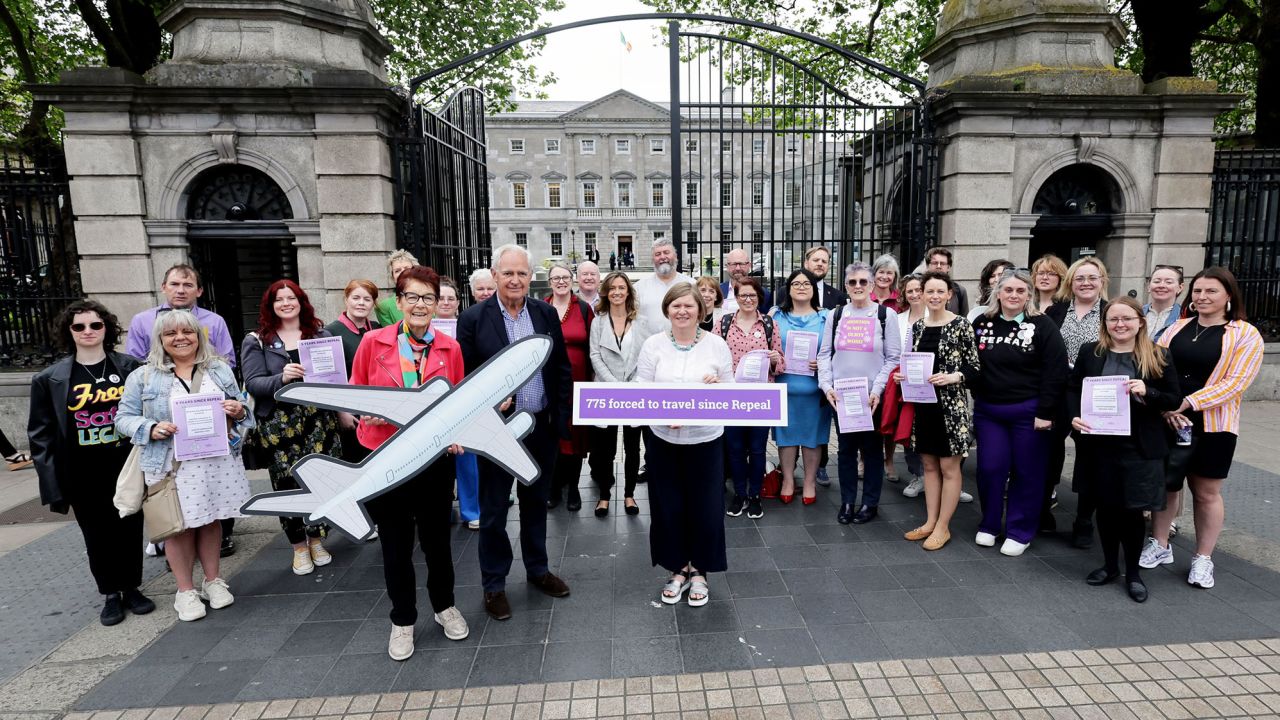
<point>356,320</point>
<point>1124,473</point>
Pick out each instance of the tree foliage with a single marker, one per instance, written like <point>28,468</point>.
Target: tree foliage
<point>41,38</point>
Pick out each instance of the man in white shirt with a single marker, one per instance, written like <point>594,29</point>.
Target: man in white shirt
<point>589,283</point>
<point>653,288</point>
<point>817,260</point>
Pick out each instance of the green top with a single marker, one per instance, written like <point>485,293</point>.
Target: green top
<point>387,311</point>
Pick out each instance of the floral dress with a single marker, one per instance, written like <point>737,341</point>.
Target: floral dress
<point>942,428</point>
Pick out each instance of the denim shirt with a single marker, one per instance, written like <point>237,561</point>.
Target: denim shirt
<point>146,403</point>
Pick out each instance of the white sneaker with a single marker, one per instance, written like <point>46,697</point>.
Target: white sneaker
<point>473,525</point>
<point>302,564</point>
<point>1201,572</point>
<point>1153,555</point>
<point>373,535</point>
<point>965,497</point>
<point>1013,548</point>
<point>188,605</point>
<point>319,555</point>
<point>914,488</point>
<point>216,592</point>
<point>401,645</point>
<point>455,626</point>
<point>985,539</point>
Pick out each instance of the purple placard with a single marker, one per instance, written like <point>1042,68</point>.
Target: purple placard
<point>202,427</point>
<point>679,404</point>
<point>802,349</point>
<point>916,367</point>
<point>1104,404</point>
<point>853,405</point>
<point>753,367</point>
<point>323,360</point>
<point>445,327</point>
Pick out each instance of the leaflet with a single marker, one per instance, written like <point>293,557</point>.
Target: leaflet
<point>1104,404</point>
<point>802,349</point>
<point>916,369</point>
<point>753,367</point>
<point>853,405</point>
<point>202,427</point>
<point>323,360</point>
<point>445,327</point>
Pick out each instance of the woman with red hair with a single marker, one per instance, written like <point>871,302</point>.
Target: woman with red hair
<point>287,432</point>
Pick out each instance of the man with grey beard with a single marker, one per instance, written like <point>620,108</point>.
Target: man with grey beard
<point>651,290</point>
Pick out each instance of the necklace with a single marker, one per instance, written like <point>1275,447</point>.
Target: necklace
<point>684,348</point>
<point>1200,330</point>
<point>96,379</point>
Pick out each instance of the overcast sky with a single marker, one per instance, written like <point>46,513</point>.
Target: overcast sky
<point>591,62</point>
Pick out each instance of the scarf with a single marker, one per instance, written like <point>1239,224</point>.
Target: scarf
<point>409,372</point>
<point>350,325</point>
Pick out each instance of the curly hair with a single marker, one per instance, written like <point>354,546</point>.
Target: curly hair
<point>111,331</point>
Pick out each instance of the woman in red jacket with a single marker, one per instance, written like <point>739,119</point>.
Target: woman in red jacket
<point>408,354</point>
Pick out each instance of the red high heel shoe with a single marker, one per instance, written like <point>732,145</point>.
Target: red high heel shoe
<point>786,499</point>
<point>809,500</point>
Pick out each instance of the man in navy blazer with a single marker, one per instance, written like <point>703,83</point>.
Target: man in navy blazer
<point>738,263</point>
<point>483,331</point>
<point>817,260</point>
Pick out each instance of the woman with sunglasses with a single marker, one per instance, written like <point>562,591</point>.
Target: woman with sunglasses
<point>808,425</point>
<point>1218,355</point>
<point>575,323</point>
<point>1017,398</point>
<point>1125,473</point>
<point>76,451</point>
<point>1162,309</point>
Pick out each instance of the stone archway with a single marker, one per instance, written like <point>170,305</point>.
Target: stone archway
<point>1074,207</point>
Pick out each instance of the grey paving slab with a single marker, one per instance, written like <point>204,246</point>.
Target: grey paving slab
<point>801,590</point>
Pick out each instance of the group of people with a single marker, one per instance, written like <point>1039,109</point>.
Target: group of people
<point>1006,376</point>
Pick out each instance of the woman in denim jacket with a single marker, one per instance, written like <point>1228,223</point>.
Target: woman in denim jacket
<point>210,489</point>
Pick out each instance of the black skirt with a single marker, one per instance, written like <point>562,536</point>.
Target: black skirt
<point>1113,470</point>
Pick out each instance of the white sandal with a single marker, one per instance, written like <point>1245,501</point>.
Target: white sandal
<point>698,587</point>
<point>677,589</point>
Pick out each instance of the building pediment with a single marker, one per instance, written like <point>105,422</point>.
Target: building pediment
<point>692,175</point>
<point>554,176</point>
<point>623,175</point>
<point>588,176</point>
<point>657,176</point>
<point>725,175</point>
<point>517,176</point>
<point>617,105</point>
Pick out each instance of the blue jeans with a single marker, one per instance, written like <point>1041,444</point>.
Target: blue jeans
<point>746,458</point>
<point>871,445</point>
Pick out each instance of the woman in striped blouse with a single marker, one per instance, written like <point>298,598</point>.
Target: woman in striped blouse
<point>1217,355</point>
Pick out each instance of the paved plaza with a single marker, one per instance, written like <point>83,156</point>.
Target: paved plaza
<point>815,619</point>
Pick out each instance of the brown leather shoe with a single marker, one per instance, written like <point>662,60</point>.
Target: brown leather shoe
<point>495,603</point>
<point>551,585</point>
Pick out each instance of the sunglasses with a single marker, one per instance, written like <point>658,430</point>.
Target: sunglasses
<point>857,282</point>
<point>81,327</point>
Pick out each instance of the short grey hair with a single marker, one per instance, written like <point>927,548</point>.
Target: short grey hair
<point>857,267</point>
<point>509,248</point>
<point>659,242</point>
<point>562,266</point>
<point>400,256</point>
<point>159,359</point>
<point>478,276</point>
<point>886,261</point>
<point>1021,274</point>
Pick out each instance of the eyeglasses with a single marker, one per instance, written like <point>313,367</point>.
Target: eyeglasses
<point>81,327</point>
<point>857,282</point>
<point>560,279</point>
<point>738,264</point>
<point>1176,268</point>
<point>1087,278</point>
<point>1123,320</point>
<point>747,298</point>
<point>798,284</point>
<point>1046,273</point>
<point>414,298</point>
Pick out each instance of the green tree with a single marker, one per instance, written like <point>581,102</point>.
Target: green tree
<point>41,38</point>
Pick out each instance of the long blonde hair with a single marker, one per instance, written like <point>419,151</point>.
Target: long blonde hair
<point>1149,358</point>
<point>1065,291</point>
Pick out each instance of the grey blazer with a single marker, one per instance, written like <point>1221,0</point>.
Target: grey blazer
<point>611,363</point>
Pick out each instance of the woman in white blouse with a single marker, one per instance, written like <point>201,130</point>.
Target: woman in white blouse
<point>686,464</point>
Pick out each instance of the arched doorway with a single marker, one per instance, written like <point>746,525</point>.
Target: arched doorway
<point>1075,206</point>
<point>239,241</point>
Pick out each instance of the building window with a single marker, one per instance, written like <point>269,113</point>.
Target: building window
<point>557,243</point>
<point>757,242</point>
<point>519,195</point>
<point>553,195</point>
<point>691,146</point>
<point>790,194</point>
<point>659,234</point>
<point>692,194</point>
<point>622,146</point>
<point>726,193</point>
<point>522,239</point>
<point>587,147</point>
<point>589,195</point>
<point>726,240</point>
<point>726,145</point>
<point>657,146</point>
<point>658,194</point>
<point>553,146</point>
<point>757,146</point>
<point>516,146</point>
<point>589,241</point>
<point>788,235</point>
<point>622,194</point>
<point>757,193</point>
<point>691,242</point>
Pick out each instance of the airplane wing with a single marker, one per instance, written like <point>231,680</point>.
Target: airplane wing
<point>395,405</point>
<point>500,442</point>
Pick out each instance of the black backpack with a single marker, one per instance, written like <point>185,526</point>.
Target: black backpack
<point>882,313</point>
<point>726,322</point>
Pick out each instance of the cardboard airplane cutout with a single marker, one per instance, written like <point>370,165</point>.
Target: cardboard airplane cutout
<point>431,418</point>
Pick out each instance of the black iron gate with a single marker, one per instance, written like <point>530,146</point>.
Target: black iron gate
<point>1244,230</point>
<point>442,202</point>
<point>766,154</point>
<point>39,270</point>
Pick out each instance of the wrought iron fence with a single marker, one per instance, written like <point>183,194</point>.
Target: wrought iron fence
<point>1244,230</point>
<point>39,268</point>
<point>442,186</point>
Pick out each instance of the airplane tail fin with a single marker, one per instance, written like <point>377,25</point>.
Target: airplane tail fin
<point>323,479</point>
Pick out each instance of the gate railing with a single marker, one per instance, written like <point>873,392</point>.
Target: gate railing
<point>39,269</point>
<point>1244,230</point>
<point>442,186</point>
